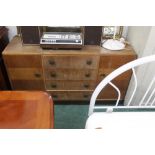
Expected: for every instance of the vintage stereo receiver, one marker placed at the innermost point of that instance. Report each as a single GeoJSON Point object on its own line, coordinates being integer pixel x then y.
{"type": "Point", "coordinates": [61, 40]}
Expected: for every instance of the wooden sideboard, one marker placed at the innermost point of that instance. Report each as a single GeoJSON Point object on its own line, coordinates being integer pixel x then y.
{"type": "Point", "coordinates": [65, 74]}
{"type": "Point", "coordinates": [4, 82]}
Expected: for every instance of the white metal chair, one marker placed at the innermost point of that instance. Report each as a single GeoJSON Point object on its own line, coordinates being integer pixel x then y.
{"type": "Point", "coordinates": [96, 119]}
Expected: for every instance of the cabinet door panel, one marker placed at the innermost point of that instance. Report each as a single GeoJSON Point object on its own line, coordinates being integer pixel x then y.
{"type": "Point", "coordinates": [115, 61]}
{"type": "Point", "coordinates": [22, 61]}
{"type": "Point", "coordinates": [124, 76]}
{"type": "Point", "coordinates": [25, 73]}
{"type": "Point", "coordinates": [27, 85]}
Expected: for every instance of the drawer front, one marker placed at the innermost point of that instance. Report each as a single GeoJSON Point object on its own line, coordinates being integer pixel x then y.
{"type": "Point", "coordinates": [64, 74]}
{"type": "Point", "coordinates": [54, 85]}
{"type": "Point", "coordinates": [82, 95]}
{"type": "Point", "coordinates": [103, 73]}
{"type": "Point", "coordinates": [25, 73]}
{"type": "Point", "coordinates": [58, 95]}
{"type": "Point", "coordinates": [70, 95]}
{"type": "Point", "coordinates": [88, 62]}
{"type": "Point", "coordinates": [115, 61]}
{"type": "Point", "coordinates": [27, 84]}
{"type": "Point", "coordinates": [23, 61]}
{"type": "Point", "coordinates": [70, 85]}
{"type": "Point", "coordinates": [110, 93]}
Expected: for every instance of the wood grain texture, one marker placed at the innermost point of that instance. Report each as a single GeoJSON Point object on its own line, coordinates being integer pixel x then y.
{"type": "Point", "coordinates": [76, 62]}
{"type": "Point", "coordinates": [106, 66]}
{"type": "Point", "coordinates": [26, 110]}
{"type": "Point", "coordinates": [22, 61]}
{"type": "Point", "coordinates": [16, 47]}
{"type": "Point", "coordinates": [70, 74]}
{"type": "Point", "coordinates": [70, 85]}
{"type": "Point", "coordinates": [27, 85]}
{"type": "Point", "coordinates": [70, 95]}
{"type": "Point", "coordinates": [25, 73]}
{"type": "Point", "coordinates": [65, 72]}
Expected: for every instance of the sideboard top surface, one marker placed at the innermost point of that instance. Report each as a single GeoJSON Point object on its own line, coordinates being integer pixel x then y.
{"type": "Point", "coordinates": [16, 47]}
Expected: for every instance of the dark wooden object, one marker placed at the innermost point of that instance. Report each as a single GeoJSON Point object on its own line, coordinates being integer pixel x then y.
{"type": "Point", "coordinates": [4, 82]}
{"type": "Point", "coordinates": [30, 34]}
{"type": "Point", "coordinates": [92, 35]}
{"type": "Point", "coordinates": [26, 110]}
{"type": "Point", "coordinates": [65, 74]}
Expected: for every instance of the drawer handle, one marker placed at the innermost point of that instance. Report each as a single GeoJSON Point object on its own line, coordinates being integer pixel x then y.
{"type": "Point", "coordinates": [51, 62]}
{"type": "Point", "coordinates": [53, 74]}
{"type": "Point", "coordinates": [85, 96]}
{"type": "Point", "coordinates": [89, 62]}
{"type": "Point", "coordinates": [53, 85]}
{"type": "Point", "coordinates": [102, 75]}
{"type": "Point", "coordinates": [86, 85]}
{"type": "Point", "coordinates": [37, 75]}
{"type": "Point", "coordinates": [55, 96]}
{"type": "Point", "coordinates": [87, 75]}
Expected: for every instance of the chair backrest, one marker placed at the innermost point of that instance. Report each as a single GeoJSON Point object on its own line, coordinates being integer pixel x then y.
{"type": "Point", "coordinates": [107, 80]}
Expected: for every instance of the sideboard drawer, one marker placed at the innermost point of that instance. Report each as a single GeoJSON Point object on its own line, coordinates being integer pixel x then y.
{"type": "Point", "coordinates": [72, 74]}
{"type": "Point", "coordinates": [70, 95]}
{"type": "Point", "coordinates": [70, 85]}
{"type": "Point", "coordinates": [27, 84]}
{"type": "Point", "coordinates": [25, 73]}
{"type": "Point", "coordinates": [104, 72]}
{"type": "Point", "coordinates": [23, 61]}
{"type": "Point", "coordinates": [90, 62]}
{"type": "Point", "coordinates": [58, 95]}
{"type": "Point", "coordinates": [54, 85]}
{"type": "Point", "coordinates": [82, 95]}
{"type": "Point", "coordinates": [115, 61]}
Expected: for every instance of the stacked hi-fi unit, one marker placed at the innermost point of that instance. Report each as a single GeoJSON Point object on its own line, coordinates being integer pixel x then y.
{"type": "Point", "coordinates": [91, 35]}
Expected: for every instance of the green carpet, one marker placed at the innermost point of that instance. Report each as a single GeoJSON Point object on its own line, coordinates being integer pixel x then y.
{"type": "Point", "coordinates": [73, 116]}
{"type": "Point", "coordinates": [70, 116]}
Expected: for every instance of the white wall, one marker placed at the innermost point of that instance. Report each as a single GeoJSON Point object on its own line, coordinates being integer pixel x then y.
{"type": "Point", "coordinates": [137, 36]}
{"type": "Point", "coordinates": [125, 31]}
{"type": "Point", "coordinates": [12, 31]}
{"type": "Point", "coordinates": [142, 40]}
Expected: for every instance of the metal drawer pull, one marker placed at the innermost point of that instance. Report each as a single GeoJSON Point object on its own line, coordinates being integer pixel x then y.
{"type": "Point", "coordinates": [85, 96]}
{"type": "Point", "coordinates": [102, 75]}
{"type": "Point", "coordinates": [53, 74]}
{"type": "Point", "coordinates": [89, 62]}
{"type": "Point", "coordinates": [53, 85]}
{"type": "Point", "coordinates": [55, 96]}
{"type": "Point", "coordinates": [87, 75]}
{"type": "Point", "coordinates": [86, 85]}
{"type": "Point", "coordinates": [51, 62]}
{"type": "Point", "coordinates": [37, 75]}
